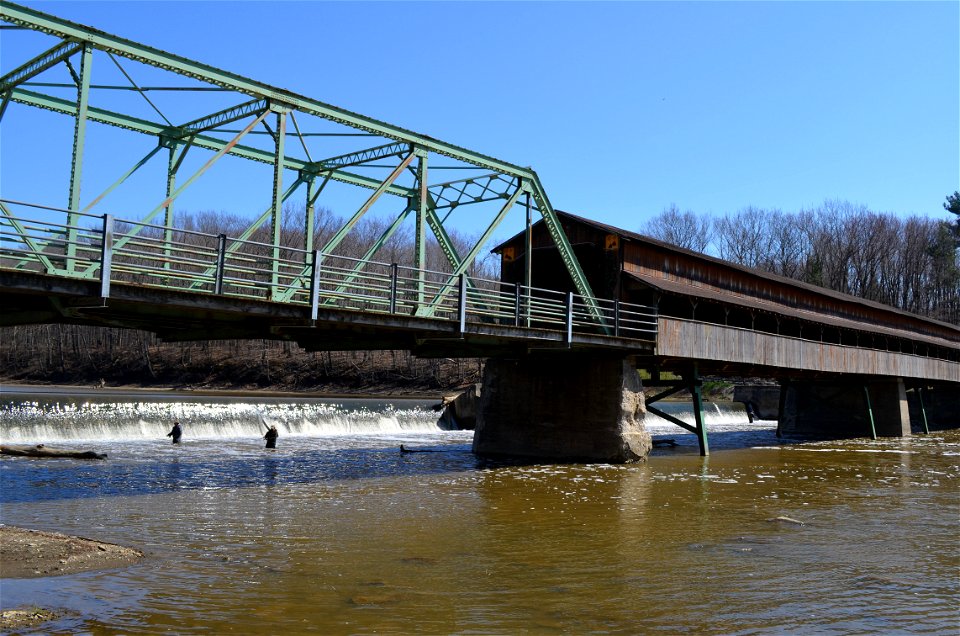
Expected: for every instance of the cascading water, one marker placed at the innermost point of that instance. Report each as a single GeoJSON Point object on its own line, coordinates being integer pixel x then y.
{"type": "Point", "coordinates": [29, 418]}
{"type": "Point", "coordinates": [719, 416]}
{"type": "Point", "coordinates": [73, 419]}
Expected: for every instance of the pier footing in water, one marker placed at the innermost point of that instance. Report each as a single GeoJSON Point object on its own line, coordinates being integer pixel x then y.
{"type": "Point", "coordinates": [566, 408]}
{"type": "Point", "coordinates": [866, 408]}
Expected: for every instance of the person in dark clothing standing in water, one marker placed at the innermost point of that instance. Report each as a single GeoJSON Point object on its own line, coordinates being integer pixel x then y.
{"type": "Point", "coordinates": [176, 433]}
{"type": "Point", "coordinates": [271, 437]}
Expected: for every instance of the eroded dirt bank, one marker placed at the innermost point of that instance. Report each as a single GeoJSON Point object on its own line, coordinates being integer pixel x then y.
{"type": "Point", "coordinates": [32, 553]}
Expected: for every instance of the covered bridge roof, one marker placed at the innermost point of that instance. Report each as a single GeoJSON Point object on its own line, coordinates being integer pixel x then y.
{"type": "Point", "coordinates": [713, 279]}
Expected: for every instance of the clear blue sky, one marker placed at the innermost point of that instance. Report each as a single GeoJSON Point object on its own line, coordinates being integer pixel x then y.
{"type": "Point", "coordinates": [622, 108]}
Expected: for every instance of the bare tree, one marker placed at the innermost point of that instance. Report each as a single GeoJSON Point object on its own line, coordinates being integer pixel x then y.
{"type": "Point", "coordinates": [683, 229]}
{"type": "Point", "coordinates": [745, 237]}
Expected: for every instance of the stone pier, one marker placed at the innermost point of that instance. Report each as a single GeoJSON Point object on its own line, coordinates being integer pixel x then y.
{"type": "Point", "coordinates": [562, 408]}
{"type": "Point", "coordinates": [841, 409]}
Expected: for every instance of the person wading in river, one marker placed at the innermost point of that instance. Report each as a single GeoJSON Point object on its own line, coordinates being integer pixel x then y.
{"type": "Point", "coordinates": [271, 437]}
{"type": "Point", "coordinates": [176, 433]}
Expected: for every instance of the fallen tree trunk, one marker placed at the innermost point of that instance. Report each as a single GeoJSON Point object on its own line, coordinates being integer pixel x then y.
{"type": "Point", "coordinates": [42, 451]}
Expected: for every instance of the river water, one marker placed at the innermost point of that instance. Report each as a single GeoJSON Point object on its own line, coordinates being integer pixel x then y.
{"type": "Point", "coordinates": [337, 532]}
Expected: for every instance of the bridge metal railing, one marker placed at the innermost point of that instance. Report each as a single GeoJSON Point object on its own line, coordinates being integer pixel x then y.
{"type": "Point", "coordinates": [109, 250]}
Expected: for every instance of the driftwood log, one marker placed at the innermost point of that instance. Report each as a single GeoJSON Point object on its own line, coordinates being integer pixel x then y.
{"type": "Point", "coordinates": [42, 451]}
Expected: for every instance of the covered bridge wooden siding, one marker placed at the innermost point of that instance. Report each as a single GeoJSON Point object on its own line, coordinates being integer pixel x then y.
{"type": "Point", "coordinates": [732, 318]}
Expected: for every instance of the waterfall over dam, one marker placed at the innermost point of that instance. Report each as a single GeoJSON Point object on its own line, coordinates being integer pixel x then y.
{"type": "Point", "coordinates": [32, 418]}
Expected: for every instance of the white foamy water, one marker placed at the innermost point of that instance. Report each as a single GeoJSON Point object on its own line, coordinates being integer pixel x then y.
{"type": "Point", "coordinates": [86, 420]}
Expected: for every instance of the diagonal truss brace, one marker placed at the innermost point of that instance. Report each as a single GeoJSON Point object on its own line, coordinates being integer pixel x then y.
{"type": "Point", "coordinates": [342, 232]}
{"type": "Point", "coordinates": [358, 158]}
{"type": "Point", "coordinates": [95, 39]}
{"type": "Point", "coordinates": [454, 193]}
{"type": "Point", "coordinates": [225, 116]}
{"type": "Point", "coordinates": [431, 308]}
{"type": "Point", "coordinates": [133, 232]}
{"type": "Point", "coordinates": [99, 115]}
{"type": "Point", "coordinates": [345, 229]}
{"type": "Point", "coordinates": [251, 228]}
{"type": "Point", "coordinates": [380, 242]}
{"type": "Point", "coordinates": [39, 64]}
{"type": "Point", "coordinates": [34, 247]}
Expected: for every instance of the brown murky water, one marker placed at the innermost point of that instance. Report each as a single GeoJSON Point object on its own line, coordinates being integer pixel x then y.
{"type": "Point", "coordinates": [344, 535]}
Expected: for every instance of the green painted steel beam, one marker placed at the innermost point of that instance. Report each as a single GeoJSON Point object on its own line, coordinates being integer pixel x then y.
{"type": "Point", "coordinates": [559, 237]}
{"type": "Point", "coordinates": [696, 394]}
{"type": "Point", "coordinates": [123, 178]}
{"type": "Point", "coordinates": [99, 115]}
{"type": "Point", "coordinates": [372, 251]}
{"type": "Point", "coordinates": [52, 25]}
{"type": "Point", "coordinates": [79, 141]}
{"type": "Point", "coordinates": [39, 64]}
{"type": "Point", "coordinates": [343, 231]}
{"type": "Point", "coordinates": [169, 199]}
{"type": "Point", "coordinates": [36, 248]}
{"type": "Point", "coordinates": [310, 210]}
{"type": "Point", "coordinates": [420, 229]}
{"type": "Point", "coordinates": [468, 260]}
{"type": "Point", "coordinates": [359, 157]}
{"type": "Point", "coordinates": [923, 410]}
{"type": "Point", "coordinates": [443, 239]}
{"type": "Point", "coordinates": [225, 116]}
{"type": "Point", "coordinates": [453, 194]}
{"type": "Point", "coordinates": [175, 158]}
{"type": "Point", "coordinates": [277, 207]}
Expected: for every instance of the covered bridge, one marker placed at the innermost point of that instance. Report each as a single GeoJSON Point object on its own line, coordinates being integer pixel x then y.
{"type": "Point", "coordinates": [689, 287]}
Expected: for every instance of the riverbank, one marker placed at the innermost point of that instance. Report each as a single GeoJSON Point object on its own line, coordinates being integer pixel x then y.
{"type": "Point", "coordinates": [129, 390]}
{"type": "Point", "coordinates": [28, 554]}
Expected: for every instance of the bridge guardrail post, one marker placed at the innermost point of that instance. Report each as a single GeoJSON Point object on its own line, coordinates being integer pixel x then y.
{"type": "Point", "coordinates": [516, 305]}
{"type": "Point", "coordinates": [462, 310]}
{"type": "Point", "coordinates": [221, 263]}
{"type": "Point", "coordinates": [317, 263]}
{"type": "Point", "coordinates": [569, 319]}
{"type": "Point", "coordinates": [393, 287]}
{"type": "Point", "coordinates": [106, 255]}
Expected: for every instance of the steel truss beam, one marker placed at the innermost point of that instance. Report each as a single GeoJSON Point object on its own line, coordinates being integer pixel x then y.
{"type": "Point", "coordinates": [454, 193]}
{"type": "Point", "coordinates": [431, 308]}
{"type": "Point", "coordinates": [36, 248]}
{"type": "Point", "coordinates": [445, 195]}
{"type": "Point", "coordinates": [39, 64]}
{"type": "Point", "coordinates": [225, 116]}
{"type": "Point", "coordinates": [99, 115]}
{"type": "Point", "coordinates": [64, 29]}
{"type": "Point", "coordinates": [172, 197]}
{"type": "Point", "coordinates": [359, 157]}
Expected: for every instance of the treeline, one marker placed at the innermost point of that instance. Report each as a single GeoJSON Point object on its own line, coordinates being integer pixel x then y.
{"type": "Point", "coordinates": [80, 355]}
{"type": "Point", "coordinates": [399, 248]}
{"type": "Point", "coordinates": [72, 354]}
{"type": "Point", "coordinates": [911, 263]}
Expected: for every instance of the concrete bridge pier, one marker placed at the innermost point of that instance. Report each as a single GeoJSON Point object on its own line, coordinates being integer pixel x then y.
{"type": "Point", "coordinates": [562, 408]}
{"type": "Point", "coordinates": [853, 408]}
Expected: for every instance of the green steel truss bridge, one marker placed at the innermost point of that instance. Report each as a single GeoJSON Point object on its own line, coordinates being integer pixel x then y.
{"type": "Point", "coordinates": [65, 256]}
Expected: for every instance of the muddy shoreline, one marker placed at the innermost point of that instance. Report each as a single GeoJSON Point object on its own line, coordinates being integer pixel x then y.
{"type": "Point", "coordinates": [28, 554]}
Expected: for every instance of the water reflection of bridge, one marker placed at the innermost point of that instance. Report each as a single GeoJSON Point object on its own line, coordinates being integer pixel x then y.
{"type": "Point", "coordinates": [575, 300]}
